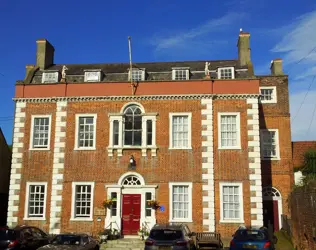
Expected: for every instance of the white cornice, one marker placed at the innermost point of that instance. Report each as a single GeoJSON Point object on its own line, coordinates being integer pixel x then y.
{"type": "Point", "coordinates": [135, 98]}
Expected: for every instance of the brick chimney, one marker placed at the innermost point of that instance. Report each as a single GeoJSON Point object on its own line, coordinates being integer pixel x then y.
{"type": "Point", "coordinates": [44, 54]}
{"type": "Point", "coordinates": [276, 67]}
{"type": "Point", "coordinates": [243, 45]}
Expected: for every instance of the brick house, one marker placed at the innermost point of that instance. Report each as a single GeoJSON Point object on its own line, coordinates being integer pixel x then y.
{"type": "Point", "coordinates": [209, 141]}
{"type": "Point", "coordinates": [5, 166]}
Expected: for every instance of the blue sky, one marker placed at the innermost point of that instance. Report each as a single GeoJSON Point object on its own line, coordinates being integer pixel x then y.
{"type": "Point", "coordinates": [164, 30]}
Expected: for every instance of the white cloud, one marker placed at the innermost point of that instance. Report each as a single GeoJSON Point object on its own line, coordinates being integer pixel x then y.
{"type": "Point", "coordinates": [301, 117]}
{"type": "Point", "coordinates": [299, 40]}
{"type": "Point", "coordinates": [199, 38]}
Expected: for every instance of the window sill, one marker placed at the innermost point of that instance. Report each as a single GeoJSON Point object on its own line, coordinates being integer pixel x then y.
{"type": "Point", "coordinates": [81, 219]}
{"type": "Point", "coordinates": [268, 102]}
{"type": "Point", "coordinates": [84, 149]}
{"type": "Point", "coordinates": [39, 149]}
{"type": "Point", "coordinates": [142, 148]}
{"type": "Point", "coordinates": [35, 218]}
{"type": "Point", "coordinates": [231, 221]}
{"type": "Point", "coordinates": [181, 220]}
{"type": "Point", "coordinates": [229, 148]}
{"type": "Point", "coordinates": [188, 148]}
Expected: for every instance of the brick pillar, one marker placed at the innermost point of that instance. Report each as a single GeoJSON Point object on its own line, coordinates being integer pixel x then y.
{"type": "Point", "coordinates": [16, 166]}
{"type": "Point", "coordinates": [255, 176]}
{"type": "Point", "coordinates": [208, 166]}
{"type": "Point", "coordinates": [58, 168]}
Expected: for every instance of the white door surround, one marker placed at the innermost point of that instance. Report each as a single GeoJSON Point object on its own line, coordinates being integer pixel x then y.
{"type": "Point", "coordinates": [270, 193]}
{"type": "Point", "coordinates": [130, 183]}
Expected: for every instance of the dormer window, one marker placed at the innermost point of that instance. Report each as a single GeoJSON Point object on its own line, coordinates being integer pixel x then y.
{"type": "Point", "coordinates": [50, 77]}
{"type": "Point", "coordinates": [226, 73]}
{"type": "Point", "coordinates": [137, 75]}
{"type": "Point", "coordinates": [92, 76]}
{"type": "Point", "coordinates": [180, 74]}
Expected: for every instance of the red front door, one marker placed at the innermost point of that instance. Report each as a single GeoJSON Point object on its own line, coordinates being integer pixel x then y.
{"type": "Point", "coordinates": [271, 214]}
{"type": "Point", "coordinates": [131, 214]}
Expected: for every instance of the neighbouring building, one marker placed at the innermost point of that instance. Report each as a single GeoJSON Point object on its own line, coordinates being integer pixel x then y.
{"type": "Point", "coordinates": [209, 141]}
{"type": "Point", "coordinates": [5, 166]}
{"type": "Point", "coordinates": [299, 149]}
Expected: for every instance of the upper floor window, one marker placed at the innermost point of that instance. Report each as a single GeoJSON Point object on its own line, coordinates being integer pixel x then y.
{"type": "Point", "coordinates": [269, 144]}
{"type": "Point", "coordinates": [35, 200]}
{"type": "Point", "coordinates": [85, 131]}
{"type": "Point", "coordinates": [180, 130]}
{"type": "Point", "coordinates": [50, 77]}
{"type": "Point", "coordinates": [40, 132]}
{"type": "Point", "coordinates": [92, 76]}
{"type": "Point", "coordinates": [268, 94]}
{"type": "Point", "coordinates": [180, 74]}
{"type": "Point", "coordinates": [137, 75]}
{"type": "Point", "coordinates": [132, 128]}
{"type": "Point", "coordinates": [226, 73]}
{"type": "Point", "coordinates": [229, 130]}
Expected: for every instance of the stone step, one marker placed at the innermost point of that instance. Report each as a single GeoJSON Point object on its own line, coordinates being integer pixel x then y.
{"type": "Point", "coordinates": [125, 245]}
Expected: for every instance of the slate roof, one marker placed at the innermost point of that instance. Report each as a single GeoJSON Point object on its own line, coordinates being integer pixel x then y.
{"type": "Point", "coordinates": [155, 71]}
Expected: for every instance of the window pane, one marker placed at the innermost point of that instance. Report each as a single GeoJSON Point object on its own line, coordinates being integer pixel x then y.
{"type": "Point", "coordinates": [231, 202]}
{"type": "Point", "coordinates": [40, 132]}
{"type": "Point", "coordinates": [228, 130]}
{"type": "Point", "coordinates": [115, 133]}
{"type": "Point", "coordinates": [36, 201]}
{"type": "Point", "coordinates": [180, 202]}
{"type": "Point", "coordinates": [133, 126]}
{"type": "Point", "coordinates": [86, 132]}
{"type": "Point", "coordinates": [180, 132]}
{"type": "Point", "coordinates": [83, 200]}
{"type": "Point", "coordinates": [114, 205]}
{"type": "Point", "coordinates": [149, 132]}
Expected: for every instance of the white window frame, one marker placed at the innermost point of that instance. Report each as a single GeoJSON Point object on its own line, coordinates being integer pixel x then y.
{"type": "Point", "coordinates": [277, 157]}
{"type": "Point", "coordinates": [219, 115]}
{"type": "Point", "coordinates": [119, 117]}
{"type": "Point", "coordinates": [33, 117]}
{"type": "Point", "coordinates": [73, 197]}
{"type": "Point", "coordinates": [219, 72]}
{"type": "Point", "coordinates": [86, 79]}
{"type": "Point", "coordinates": [184, 69]}
{"type": "Point", "coordinates": [77, 132]}
{"type": "Point", "coordinates": [189, 115]}
{"type": "Point", "coordinates": [136, 69]}
{"type": "Point", "coordinates": [171, 184]}
{"type": "Point", "coordinates": [241, 219]}
{"type": "Point", "coordinates": [46, 73]}
{"type": "Point", "coordinates": [274, 94]}
{"type": "Point", "coordinates": [26, 205]}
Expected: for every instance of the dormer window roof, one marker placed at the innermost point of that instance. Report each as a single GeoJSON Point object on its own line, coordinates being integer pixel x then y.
{"type": "Point", "coordinates": [180, 73]}
{"type": "Point", "coordinates": [137, 75]}
{"type": "Point", "coordinates": [50, 77]}
{"type": "Point", "coordinates": [92, 75]}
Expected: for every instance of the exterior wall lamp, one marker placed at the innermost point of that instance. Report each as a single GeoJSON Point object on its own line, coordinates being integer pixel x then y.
{"type": "Point", "coordinates": [132, 163]}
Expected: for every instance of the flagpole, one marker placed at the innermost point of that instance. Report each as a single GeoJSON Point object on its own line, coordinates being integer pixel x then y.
{"type": "Point", "coordinates": [130, 64]}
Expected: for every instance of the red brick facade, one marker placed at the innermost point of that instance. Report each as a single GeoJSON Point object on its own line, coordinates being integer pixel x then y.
{"type": "Point", "coordinates": [204, 165]}
{"type": "Point", "coordinates": [299, 149]}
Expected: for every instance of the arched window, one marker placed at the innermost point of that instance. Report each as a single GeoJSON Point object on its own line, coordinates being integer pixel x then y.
{"type": "Point", "coordinates": [133, 126]}
{"type": "Point", "coordinates": [131, 180]}
{"type": "Point", "coordinates": [270, 192]}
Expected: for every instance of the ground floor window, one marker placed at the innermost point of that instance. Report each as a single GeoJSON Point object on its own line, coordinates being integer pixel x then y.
{"type": "Point", "coordinates": [36, 200]}
{"type": "Point", "coordinates": [147, 206]}
{"type": "Point", "coordinates": [82, 200]}
{"type": "Point", "coordinates": [180, 201]}
{"type": "Point", "coordinates": [231, 202]}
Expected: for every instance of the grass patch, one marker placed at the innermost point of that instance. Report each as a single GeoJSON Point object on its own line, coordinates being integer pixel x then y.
{"type": "Point", "coordinates": [284, 242]}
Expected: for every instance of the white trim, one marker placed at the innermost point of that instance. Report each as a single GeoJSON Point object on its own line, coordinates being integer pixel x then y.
{"type": "Point", "coordinates": [219, 74]}
{"type": "Point", "coordinates": [56, 73]}
{"type": "Point", "coordinates": [76, 147]}
{"type": "Point", "coordinates": [221, 185]}
{"type": "Point", "coordinates": [143, 70]}
{"type": "Point", "coordinates": [219, 115]}
{"type": "Point", "coordinates": [277, 157]}
{"type": "Point", "coordinates": [132, 103]}
{"type": "Point", "coordinates": [274, 94]}
{"type": "Point", "coordinates": [33, 117]}
{"type": "Point", "coordinates": [92, 71]}
{"type": "Point", "coordinates": [180, 69]}
{"type": "Point", "coordinates": [26, 202]}
{"type": "Point", "coordinates": [189, 115]}
{"type": "Point", "coordinates": [189, 184]}
{"type": "Point", "coordinates": [123, 176]}
{"type": "Point", "coordinates": [73, 194]}
{"type": "Point", "coordinates": [275, 198]}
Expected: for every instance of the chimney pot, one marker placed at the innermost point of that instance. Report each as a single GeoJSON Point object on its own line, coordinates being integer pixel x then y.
{"type": "Point", "coordinates": [44, 54]}
{"type": "Point", "coordinates": [276, 67]}
{"type": "Point", "coordinates": [243, 45]}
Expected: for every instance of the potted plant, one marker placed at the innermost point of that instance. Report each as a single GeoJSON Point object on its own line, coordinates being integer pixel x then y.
{"type": "Point", "coordinates": [104, 235]}
{"type": "Point", "coordinates": [154, 204]}
{"type": "Point", "coordinates": [107, 203]}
